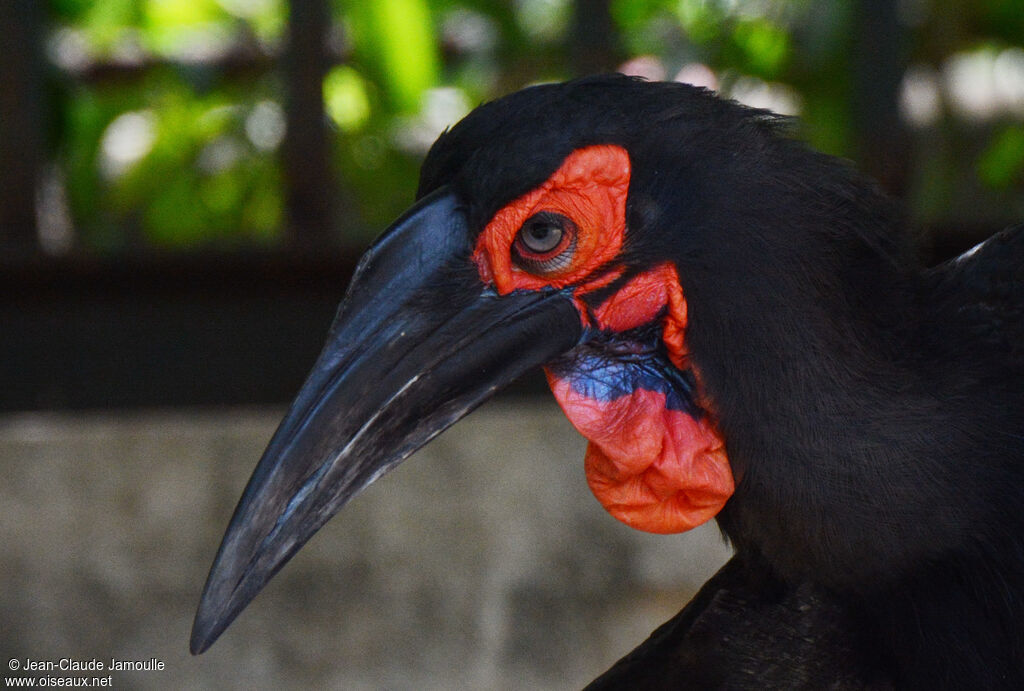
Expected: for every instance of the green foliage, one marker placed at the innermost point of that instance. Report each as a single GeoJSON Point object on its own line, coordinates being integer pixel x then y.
{"type": "Point", "coordinates": [1002, 162]}
{"type": "Point", "coordinates": [395, 39]}
{"type": "Point", "coordinates": [184, 156]}
{"type": "Point", "coordinates": [346, 98]}
{"type": "Point", "coordinates": [173, 167]}
{"type": "Point", "coordinates": [166, 27]}
{"type": "Point", "coordinates": [701, 20]}
{"type": "Point", "coordinates": [764, 47]}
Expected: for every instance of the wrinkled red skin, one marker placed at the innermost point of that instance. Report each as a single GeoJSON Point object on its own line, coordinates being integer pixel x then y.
{"type": "Point", "coordinates": [654, 468]}
{"type": "Point", "coordinates": [590, 188]}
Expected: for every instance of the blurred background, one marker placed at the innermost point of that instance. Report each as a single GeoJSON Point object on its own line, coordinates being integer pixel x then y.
{"type": "Point", "coordinates": [185, 187]}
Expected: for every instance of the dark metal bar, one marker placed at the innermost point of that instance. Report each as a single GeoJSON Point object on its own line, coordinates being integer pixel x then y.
{"type": "Point", "coordinates": [880, 49]}
{"type": "Point", "coordinates": [594, 40]}
{"type": "Point", "coordinates": [240, 62]}
{"type": "Point", "coordinates": [308, 179]}
{"type": "Point", "coordinates": [170, 330]}
{"type": "Point", "coordinates": [21, 122]}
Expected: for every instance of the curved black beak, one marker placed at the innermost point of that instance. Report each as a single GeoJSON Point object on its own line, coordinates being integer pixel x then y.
{"type": "Point", "coordinates": [419, 341]}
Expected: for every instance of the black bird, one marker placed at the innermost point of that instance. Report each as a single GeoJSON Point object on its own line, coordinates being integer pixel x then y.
{"type": "Point", "coordinates": [740, 328]}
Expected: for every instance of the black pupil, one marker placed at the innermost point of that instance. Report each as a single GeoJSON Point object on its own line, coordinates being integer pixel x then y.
{"type": "Point", "coordinates": [542, 235]}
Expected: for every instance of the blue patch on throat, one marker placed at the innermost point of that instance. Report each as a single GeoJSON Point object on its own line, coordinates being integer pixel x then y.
{"type": "Point", "coordinates": [609, 366]}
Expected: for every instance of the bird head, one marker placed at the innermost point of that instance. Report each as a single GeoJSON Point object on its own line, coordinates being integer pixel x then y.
{"type": "Point", "coordinates": [608, 229]}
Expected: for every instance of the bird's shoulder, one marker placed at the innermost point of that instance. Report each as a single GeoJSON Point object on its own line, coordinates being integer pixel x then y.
{"type": "Point", "coordinates": [747, 630]}
{"type": "Point", "coordinates": [983, 291]}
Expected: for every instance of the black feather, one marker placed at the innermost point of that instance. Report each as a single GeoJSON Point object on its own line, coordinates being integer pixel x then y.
{"type": "Point", "coordinates": [873, 411]}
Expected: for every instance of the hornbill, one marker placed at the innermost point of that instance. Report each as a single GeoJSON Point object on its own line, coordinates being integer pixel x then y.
{"type": "Point", "coordinates": [740, 328]}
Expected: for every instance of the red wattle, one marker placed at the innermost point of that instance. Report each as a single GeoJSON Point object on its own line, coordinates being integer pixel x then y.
{"type": "Point", "coordinates": [653, 468]}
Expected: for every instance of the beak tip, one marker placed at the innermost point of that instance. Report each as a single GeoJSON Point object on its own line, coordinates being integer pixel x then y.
{"type": "Point", "coordinates": [201, 639]}
{"type": "Point", "coordinates": [217, 609]}
{"type": "Point", "coordinates": [228, 591]}
{"type": "Point", "coordinates": [210, 623]}
{"type": "Point", "coordinates": [206, 629]}
{"type": "Point", "coordinates": [198, 646]}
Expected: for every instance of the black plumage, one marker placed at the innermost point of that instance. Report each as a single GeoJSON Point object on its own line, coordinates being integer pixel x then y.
{"type": "Point", "coordinates": [872, 409]}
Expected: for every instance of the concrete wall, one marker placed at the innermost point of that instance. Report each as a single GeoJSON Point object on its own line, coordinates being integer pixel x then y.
{"type": "Point", "coordinates": [483, 562]}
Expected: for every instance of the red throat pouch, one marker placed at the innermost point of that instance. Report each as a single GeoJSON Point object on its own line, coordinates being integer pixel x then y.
{"type": "Point", "coordinates": [653, 468]}
{"type": "Point", "coordinates": [654, 463]}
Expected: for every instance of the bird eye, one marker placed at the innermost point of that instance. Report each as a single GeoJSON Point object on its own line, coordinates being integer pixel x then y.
{"type": "Point", "coordinates": [541, 235]}
{"type": "Point", "coordinates": [545, 243]}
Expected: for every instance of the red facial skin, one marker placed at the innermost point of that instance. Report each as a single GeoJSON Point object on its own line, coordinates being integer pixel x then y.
{"type": "Point", "coordinates": [654, 468]}
{"type": "Point", "coordinates": [590, 188]}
